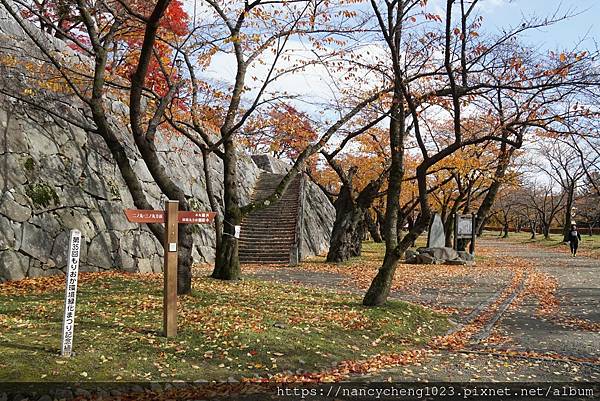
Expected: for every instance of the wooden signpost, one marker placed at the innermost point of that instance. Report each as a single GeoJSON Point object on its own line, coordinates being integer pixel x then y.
{"type": "Point", "coordinates": [171, 217]}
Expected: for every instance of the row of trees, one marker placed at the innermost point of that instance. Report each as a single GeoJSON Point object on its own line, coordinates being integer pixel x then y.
{"type": "Point", "coordinates": [558, 189]}
{"type": "Point", "coordinates": [425, 111]}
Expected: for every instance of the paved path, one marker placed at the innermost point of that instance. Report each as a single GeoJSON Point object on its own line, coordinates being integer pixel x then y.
{"type": "Point", "coordinates": [560, 346]}
{"type": "Point", "coordinates": [575, 329]}
{"type": "Point", "coordinates": [519, 341]}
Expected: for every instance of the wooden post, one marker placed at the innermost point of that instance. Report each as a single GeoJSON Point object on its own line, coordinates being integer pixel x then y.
{"type": "Point", "coordinates": [455, 242]}
{"type": "Point", "coordinates": [473, 235]}
{"type": "Point", "coordinates": [170, 269]}
{"type": "Point", "coordinates": [172, 218]}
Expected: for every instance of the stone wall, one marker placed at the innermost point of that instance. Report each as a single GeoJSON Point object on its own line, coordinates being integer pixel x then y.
{"type": "Point", "coordinates": [55, 176]}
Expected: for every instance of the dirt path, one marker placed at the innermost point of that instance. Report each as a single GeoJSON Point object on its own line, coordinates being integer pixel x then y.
{"type": "Point", "coordinates": [538, 323]}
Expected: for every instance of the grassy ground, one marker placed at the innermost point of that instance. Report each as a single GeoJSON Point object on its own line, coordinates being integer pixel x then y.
{"type": "Point", "coordinates": [225, 329]}
{"type": "Point", "coordinates": [589, 245]}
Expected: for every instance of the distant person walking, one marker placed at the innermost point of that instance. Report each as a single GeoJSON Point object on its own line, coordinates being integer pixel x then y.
{"type": "Point", "coordinates": [574, 238]}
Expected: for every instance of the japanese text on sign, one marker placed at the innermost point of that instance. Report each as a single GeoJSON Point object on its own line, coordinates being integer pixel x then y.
{"type": "Point", "coordinates": [71, 293]}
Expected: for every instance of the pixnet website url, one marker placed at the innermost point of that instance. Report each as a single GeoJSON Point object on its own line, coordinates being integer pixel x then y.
{"type": "Point", "coordinates": [399, 392]}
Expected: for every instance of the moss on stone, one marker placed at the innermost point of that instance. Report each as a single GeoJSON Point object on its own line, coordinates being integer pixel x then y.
{"type": "Point", "coordinates": [42, 194]}
{"type": "Point", "coordinates": [113, 188]}
{"type": "Point", "coordinates": [195, 204]}
{"type": "Point", "coordinates": [29, 164]}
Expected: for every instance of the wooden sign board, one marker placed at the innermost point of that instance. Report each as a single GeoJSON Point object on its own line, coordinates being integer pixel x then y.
{"type": "Point", "coordinates": [145, 216]}
{"type": "Point", "coordinates": [158, 216]}
{"type": "Point", "coordinates": [171, 217]}
{"type": "Point", "coordinates": [196, 217]}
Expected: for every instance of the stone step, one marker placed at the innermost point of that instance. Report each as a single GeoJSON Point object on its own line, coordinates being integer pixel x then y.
{"type": "Point", "coordinates": [261, 195]}
{"type": "Point", "coordinates": [265, 255]}
{"type": "Point", "coordinates": [274, 221]}
{"type": "Point", "coordinates": [271, 215]}
{"type": "Point", "coordinates": [284, 200]}
{"type": "Point", "coordinates": [261, 231]}
{"type": "Point", "coordinates": [273, 187]}
{"type": "Point", "coordinates": [271, 239]}
{"type": "Point", "coordinates": [266, 247]}
{"type": "Point", "coordinates": [269, 223]}
{"type": "Point", "coordinates": [270, 262]}
{"type": "Point", "coordinates": [282, 204]}
{"type": "Point", "coordinates": [275, 224]}
{"type": "Point", "coordinates": [268, 237]}
{"type": "Point", "coordinates": [276, 211]}
{"type": "Point", "coordinates": [265, 258]}
{"type": "Point", "coordinates": [265, 251]}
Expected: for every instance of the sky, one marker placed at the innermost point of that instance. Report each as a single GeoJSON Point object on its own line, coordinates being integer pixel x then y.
{"type": "Point", "coordinates": [502, 13]}
{"type": "Point", "coordinates": [497, 14]}
{"type": "Point", "coordinates": [584, 25]}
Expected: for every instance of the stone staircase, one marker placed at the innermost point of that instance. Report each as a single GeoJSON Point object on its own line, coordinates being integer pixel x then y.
{"type": "Point", "coordinates": [270, 235]}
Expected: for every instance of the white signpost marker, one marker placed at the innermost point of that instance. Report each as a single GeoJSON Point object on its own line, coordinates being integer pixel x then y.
{"type": "Point", "coordinates": [71, 293]}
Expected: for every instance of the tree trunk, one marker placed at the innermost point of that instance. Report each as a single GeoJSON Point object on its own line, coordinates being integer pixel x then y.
{"type": "Point", "coordinates": [533, 227]}
{"type": "Point", "coordinates": [506, 153]}
{"type": "Point", "coordinates": [227, 263]}
{"type": "Point", "coordinates": [449, 230]}
{"type": "Point", "coordinates": [373, 228]}
{"type": "Point", "coordinates": [481, 227]}
{"type": "Point", "coordinates": [185, 260]}
{"type": "Point", "coordinates": [381, 223]}
{"type": "Point", "coordinates": [505, 230]}
{"type": "Point", "coordinates": [379, 291]}
{"type": "Point", "coordinates": [346, 237]}
{"type": "Point", "coordinates": [349, 226]}
{"type": "Point", "coordinates": [402, 216]}
{"type": "Point", "coordinates": [381, 285]}
{"type": "Point", "coordinates": [214, 205]}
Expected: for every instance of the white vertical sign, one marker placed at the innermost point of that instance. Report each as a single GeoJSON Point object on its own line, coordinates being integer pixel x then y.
{"type": "Point", "coordinates": [71, 292]}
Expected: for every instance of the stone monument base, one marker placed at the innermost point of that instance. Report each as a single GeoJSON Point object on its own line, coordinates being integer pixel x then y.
{"type": "Point", "coordinates": [438, 255]}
